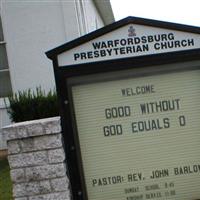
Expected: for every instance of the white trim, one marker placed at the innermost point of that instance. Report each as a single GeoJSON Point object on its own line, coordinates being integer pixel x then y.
{"type": "Point", "coordinates": [2, 42]}
{"type": "Point", "coordinates": [80, 17]}
{"type": "Point", "coordinates": [2, 103]}
{"type": "Point", "coordinates": [105, 10]}
{"type": "Point", "coordinates": [76, 12]}
{"type": "Point", "coordinates": [82, 3]}
{"type": "Point", "coordinates": [63, 18]}
{"type": "Point", "coordinates": [4, 70]}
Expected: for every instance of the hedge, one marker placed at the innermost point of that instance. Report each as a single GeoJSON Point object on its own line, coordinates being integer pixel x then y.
{"type": "Point", "coordinates": [30, 105]}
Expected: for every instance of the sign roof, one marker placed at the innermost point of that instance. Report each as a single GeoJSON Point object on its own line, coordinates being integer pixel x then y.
{"type": "Point", "coordinates": [129, 37]}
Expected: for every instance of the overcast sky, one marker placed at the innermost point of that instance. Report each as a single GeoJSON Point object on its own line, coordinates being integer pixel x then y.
{"type": "Point", "coordinates": [179, 11]}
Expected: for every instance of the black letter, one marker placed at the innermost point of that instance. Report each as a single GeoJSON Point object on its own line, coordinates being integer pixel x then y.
{"type": "Point", "coordinates": [182, 120]}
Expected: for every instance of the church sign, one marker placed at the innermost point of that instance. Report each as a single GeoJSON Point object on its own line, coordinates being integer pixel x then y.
{"type": "Point", "coordinates": [130, 41]}
{"type": "Point", "coordinates": [129, 102]}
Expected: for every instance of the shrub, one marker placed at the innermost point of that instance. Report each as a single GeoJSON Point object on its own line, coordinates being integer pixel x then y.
{"type": "Point", "coordinates": [5, 180]}
{"type": "Point", "coordinates": [29, 105]}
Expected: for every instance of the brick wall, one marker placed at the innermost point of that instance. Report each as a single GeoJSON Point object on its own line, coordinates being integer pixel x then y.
{"type": "Point", "coordinates": [37, 160]}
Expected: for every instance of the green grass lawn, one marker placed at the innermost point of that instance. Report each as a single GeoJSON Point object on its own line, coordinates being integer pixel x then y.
{"type": "Point", "coordinates": [5, 181]}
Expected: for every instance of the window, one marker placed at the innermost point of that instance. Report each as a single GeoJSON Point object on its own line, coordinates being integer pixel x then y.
{"type": "Point", "coordinates": [5, 83]}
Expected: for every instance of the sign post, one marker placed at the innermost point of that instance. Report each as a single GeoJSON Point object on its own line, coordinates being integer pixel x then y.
{"type": "Point", "coordinates": [129, 102]}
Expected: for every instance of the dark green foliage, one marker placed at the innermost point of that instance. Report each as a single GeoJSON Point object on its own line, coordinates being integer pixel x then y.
{"type": "Point", "coordinates": [29, 105]}
{"type": "Point", "coordinates": [5, 181]}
